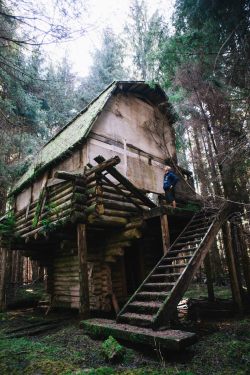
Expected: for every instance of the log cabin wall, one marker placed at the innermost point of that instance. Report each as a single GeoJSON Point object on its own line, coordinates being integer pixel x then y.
{"type": "Point", "coordinates": [64, 274]}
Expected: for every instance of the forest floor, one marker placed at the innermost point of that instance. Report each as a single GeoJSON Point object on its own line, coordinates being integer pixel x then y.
{"type": "Point", "coordinates": [223, 348]}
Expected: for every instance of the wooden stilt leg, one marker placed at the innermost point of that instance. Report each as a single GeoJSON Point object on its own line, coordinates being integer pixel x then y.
{"type": "Point", "coordinates": [245, 257]}
{"type": "Point", "coordinates": [3, 254]}
{"type": "Point", "coordinates": [165, 233]}
{"type": "Point", "coordinates": [83, 271]}
{"type": "Point", "coordinates": [208, 271]}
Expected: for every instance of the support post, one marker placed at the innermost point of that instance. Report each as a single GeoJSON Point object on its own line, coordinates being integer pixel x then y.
{"type": "Point", "coordinates": [208, 271]}
{"type": "Point", "coordinates": [235, 285]}
{"type": "Point", "coordinates": [3, 276]}
{"type": "Point", "coordinates": [245, 257]}
{"type": "Point", "coordinates": [83, 271]}
{"type": "Point", "coordinates": [165, 234]}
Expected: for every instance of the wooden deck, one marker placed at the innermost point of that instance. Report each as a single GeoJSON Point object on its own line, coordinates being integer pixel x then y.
{"type": "Point", "coordinates": [169, 339]}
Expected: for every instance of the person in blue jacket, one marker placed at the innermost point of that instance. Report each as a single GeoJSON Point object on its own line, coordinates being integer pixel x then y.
{"type": "Point", "coordinates": [169, 182]}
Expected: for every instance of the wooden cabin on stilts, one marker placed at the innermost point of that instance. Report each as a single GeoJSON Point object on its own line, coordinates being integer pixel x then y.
{"type": "Point", "coordinates": [91, 210]}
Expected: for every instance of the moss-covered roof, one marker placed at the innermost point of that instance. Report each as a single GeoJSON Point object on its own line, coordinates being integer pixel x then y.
{"type": "Point", "coordinates": [73, 133]}
{"type": "Point", "coordinates": [79, 127]}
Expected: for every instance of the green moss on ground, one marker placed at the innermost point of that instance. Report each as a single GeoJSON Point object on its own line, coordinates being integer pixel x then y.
{"type": "Point", "coordinates": [112, 350]}
{"type": "Point", "coordinates": [69, 352]}
{"type": "Point", "coordinates": [200, 291]}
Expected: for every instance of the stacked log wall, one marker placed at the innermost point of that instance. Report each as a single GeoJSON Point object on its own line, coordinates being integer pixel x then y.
{"type": "Point", "coordinates": [61, 203]}
{"type": "Point", "coordinates": [65, 276]}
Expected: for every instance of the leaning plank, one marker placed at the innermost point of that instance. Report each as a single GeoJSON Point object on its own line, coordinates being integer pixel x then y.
{"type": "Point", "coordinates": [169, 339]}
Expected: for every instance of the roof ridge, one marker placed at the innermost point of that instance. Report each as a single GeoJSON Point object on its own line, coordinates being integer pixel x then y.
{"type": "Point", "coordinates": [79, 114]}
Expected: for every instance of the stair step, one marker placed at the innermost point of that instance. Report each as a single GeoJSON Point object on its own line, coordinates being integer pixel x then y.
{"type": "Point", "coordinates": [194, 231]}
{"type": "Point", "coordinates": [203, 219]}
{"type": "Point", "coordinates": [173, 265]}
{"type": "Point", "coordinates": [156, 286]}
{"type": "Point", "coordinates": [151, 296]}
{"type": "Point", "coordinates": [182, 251]}
{"type": "Point", "coordinates": [150, 307]}
{"type": "Point", "coordinates": [173, 274]}
{"type": "Point", "coordinates": [178, 258]}
{"type": "Point", "coordinates": [201, 225]}
{"type": "Point", "coordinates": [142, 320]}
{"type": "Point", "coordinates": [185, 238]}
{"type": "Point", "coordinates": [186, 243]}
{"type": "Point", "coordinates": [161, 276]}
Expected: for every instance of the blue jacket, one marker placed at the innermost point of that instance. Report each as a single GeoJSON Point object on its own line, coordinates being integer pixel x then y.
{"type": "Point", "coordinates": [170, 179]}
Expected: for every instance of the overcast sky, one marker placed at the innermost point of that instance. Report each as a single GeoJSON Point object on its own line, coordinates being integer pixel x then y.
{"type": "Point", "coordinates": [101, 14]}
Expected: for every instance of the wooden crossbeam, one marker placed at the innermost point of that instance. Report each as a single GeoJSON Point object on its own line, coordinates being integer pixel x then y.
{"type": "Point", "coordinates": [71, 176]}
{"type": "Point", "coordinates": [126, 183]}
{"type": "Point", "coordinates": [118, 189]}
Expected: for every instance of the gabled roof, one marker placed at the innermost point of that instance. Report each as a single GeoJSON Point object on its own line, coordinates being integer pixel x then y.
{"type": "Point", "coordinates": [79, 127]}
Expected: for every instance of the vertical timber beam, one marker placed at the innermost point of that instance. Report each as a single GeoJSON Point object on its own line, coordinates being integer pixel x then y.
{"type": "Point", "coordinates": [208, 271]}
{"type": "Point", "coordinates": [235, 285]}
{"type": "Point", "coordinates": [3, 277]}
{"type": "Point", "coordinates": [245, 256]}
{"type": "Point", "coordinates": [165, 234]}
{"type": "Point", "coordinates": [83, 271]}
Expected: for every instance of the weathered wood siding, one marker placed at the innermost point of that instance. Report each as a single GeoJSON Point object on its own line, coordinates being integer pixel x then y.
{"type": "Point", "coordinates": [122, 130]}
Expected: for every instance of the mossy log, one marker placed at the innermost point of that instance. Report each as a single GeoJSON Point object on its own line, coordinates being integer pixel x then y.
{"type": "Point", "coordinates": [61, 193]}
{"type": "Point", "coordinates": [68, 176]}
{"type": "Point", "coordinates": [128, 234]}
{"type": "Point", "coordinates": [107, 220]}
{"type": "Point", "coordinates": [119, 197]}
{"type": "Point", "coordinates": [30, 233]}
{"type": "Point", "coordinates": [56, 189]}
{"type": "Point", "coordinates": [136, 224]}
{"type": "Point", "coordinates": [50, 217]}
{"type": "Point", "coordinates": [97, 208]}
{"type": "Point", "coordinates": [95, 190]}
{"type": "Point", "coordinates": [118, 213]}
{"type": "Point", "coordinates": [120, 206]}
{"type": "Point", "coordinates": [111, 244]}
{"type": "Point", "coordinates": [56, 202]}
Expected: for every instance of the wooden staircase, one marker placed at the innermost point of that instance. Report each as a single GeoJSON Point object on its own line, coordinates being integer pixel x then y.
{"type": "Point", "coordinates": [154, 302]}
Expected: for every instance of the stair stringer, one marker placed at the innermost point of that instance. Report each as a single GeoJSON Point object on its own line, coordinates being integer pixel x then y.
{"type": "Point", "coordinates": [168, 307]}
{"type": "Point", "coordinates": [122, 311]}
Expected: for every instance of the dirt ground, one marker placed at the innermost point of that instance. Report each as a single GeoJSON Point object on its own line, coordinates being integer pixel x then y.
{"type": "Point", "coordinates": [31, 343]}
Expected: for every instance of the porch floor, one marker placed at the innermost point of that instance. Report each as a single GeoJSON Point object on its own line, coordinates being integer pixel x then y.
{"type": "Point", "coordinates": [168, 338]}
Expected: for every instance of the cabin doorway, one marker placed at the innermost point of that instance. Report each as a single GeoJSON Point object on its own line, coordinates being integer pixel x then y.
{"type": "Point", "coordinates": [142, 256]}
{"type": "Point", "coordinates": [133, 267]}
